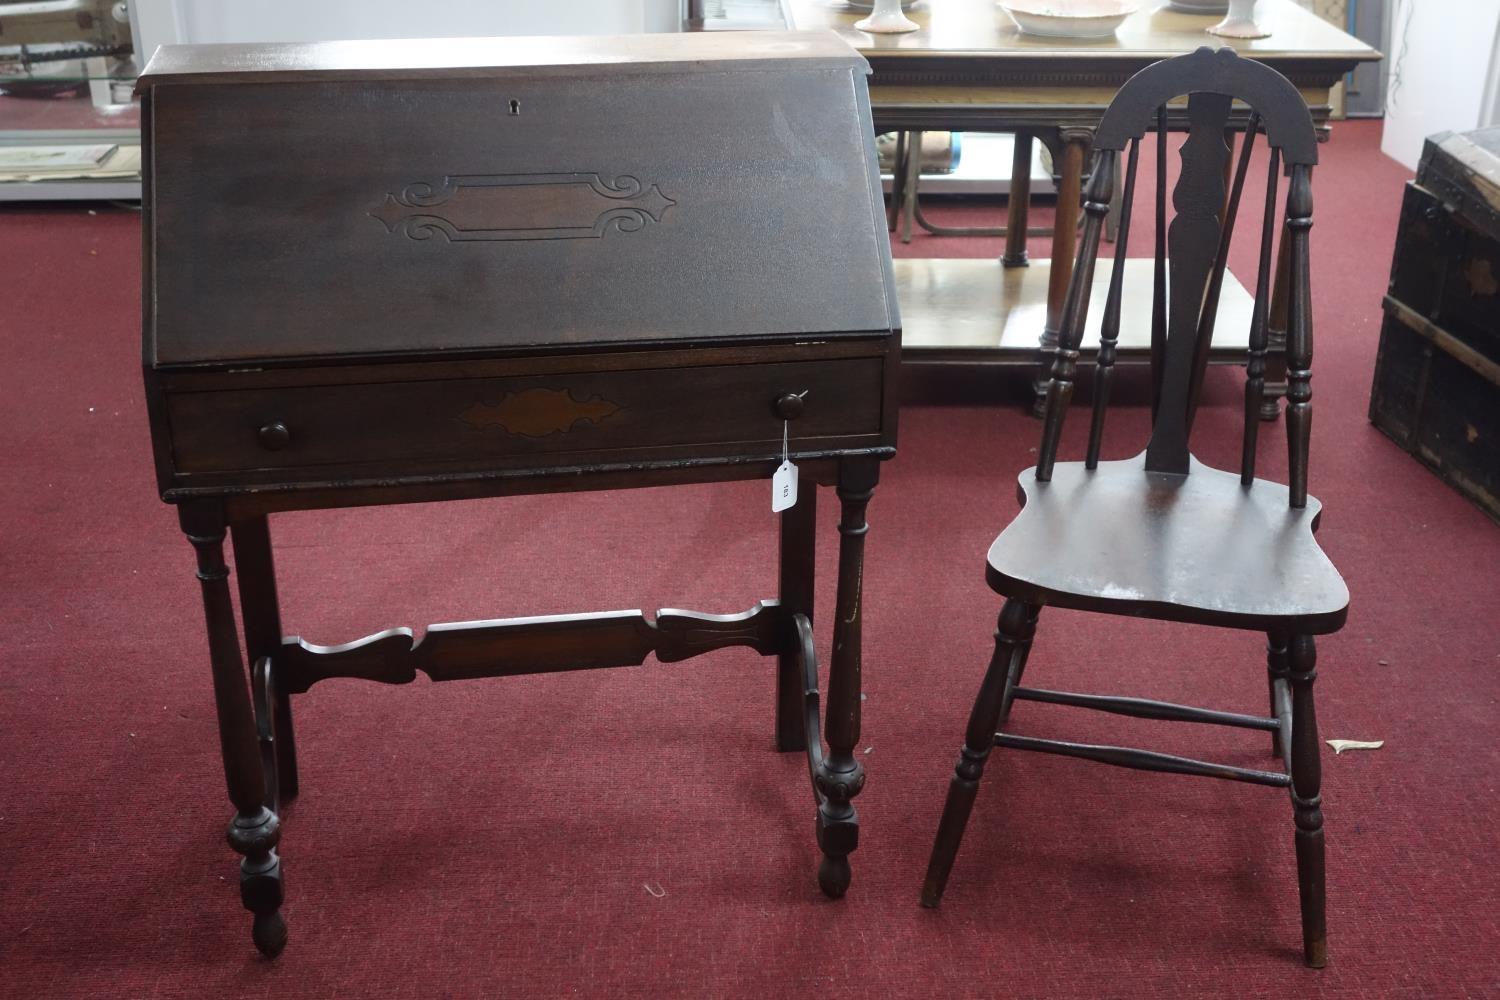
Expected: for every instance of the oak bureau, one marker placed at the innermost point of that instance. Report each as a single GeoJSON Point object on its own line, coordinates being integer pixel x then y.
{"type": "Point", "coordinates": [389, 272]}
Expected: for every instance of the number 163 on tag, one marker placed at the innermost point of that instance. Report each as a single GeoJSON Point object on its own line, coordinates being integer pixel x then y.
{"type": "Point", "coordinates": [784, 487]}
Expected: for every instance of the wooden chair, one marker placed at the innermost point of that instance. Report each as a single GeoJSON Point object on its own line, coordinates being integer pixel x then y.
{"type": "Point", "coordinates": [1162, 535]}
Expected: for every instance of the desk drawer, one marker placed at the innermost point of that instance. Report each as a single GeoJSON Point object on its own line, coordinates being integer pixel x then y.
{"type": "Point", "coordinates": [518, 420]}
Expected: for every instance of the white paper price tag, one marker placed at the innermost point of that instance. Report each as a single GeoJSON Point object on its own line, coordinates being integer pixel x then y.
{"type": "Point", "coordinates": [784, 487]}
{"type": "Point", "coordinates": [784, 480]}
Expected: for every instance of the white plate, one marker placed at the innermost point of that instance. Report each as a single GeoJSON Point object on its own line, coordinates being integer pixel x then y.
{"type": "Point", "coordinates": [1064, 19]}
{"type": "Point", "coordinates": [1199, 6]}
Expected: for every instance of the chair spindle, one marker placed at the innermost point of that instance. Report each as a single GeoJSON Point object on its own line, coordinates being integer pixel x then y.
{"type": "Point", "coordinates": [1299, 334]}
{"type": "Point", "coordinates": [1255, 370]}
{"type": "Point", "coordinates": [1075, 308]}
{"type": "Point", "coordinates": [1204, 343]}
{"type": "Point", "coordinates": [1159, 292]}
{"type": "Point", "coordinates": [1109, 331]}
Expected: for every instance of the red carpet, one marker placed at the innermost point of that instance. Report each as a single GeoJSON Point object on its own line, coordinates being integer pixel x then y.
{"type": "Point", "coordinates": [629, 832]}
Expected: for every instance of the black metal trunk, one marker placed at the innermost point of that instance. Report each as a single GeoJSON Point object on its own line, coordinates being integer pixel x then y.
{"type": "Point", "coordinates": [1437, 375]}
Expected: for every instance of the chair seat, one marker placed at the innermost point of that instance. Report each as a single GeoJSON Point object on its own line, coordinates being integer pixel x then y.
{"type": "Point", "coordinates": [1197, 548]}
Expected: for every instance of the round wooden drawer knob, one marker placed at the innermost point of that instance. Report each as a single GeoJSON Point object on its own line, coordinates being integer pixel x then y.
{"type": "Point", "coordinates": [274, 436]}
{"type": "Point", "coordinates": [789, 405]}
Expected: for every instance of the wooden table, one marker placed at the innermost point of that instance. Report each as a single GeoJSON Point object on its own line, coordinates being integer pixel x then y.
{"type": "Point", "coordinates": [381, 274]}
{"type": "Point", "coordinates": [970, 68]}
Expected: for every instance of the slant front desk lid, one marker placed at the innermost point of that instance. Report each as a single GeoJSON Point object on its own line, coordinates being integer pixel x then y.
{"type": "Point", "coordinates": [369, 198]}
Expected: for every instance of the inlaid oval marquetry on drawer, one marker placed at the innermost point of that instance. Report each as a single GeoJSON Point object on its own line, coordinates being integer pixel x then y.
{"type": "Point", "coordinates": [484, 419]}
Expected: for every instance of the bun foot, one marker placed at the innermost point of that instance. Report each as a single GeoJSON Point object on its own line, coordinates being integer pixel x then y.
{"type": "Point", "coordinates": [834, 875]}
{"type": "Point", "coordinates": [269, 934]}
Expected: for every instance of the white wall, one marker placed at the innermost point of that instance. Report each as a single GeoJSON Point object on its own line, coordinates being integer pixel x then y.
{"type": "Point", "coordinates": [164, 21]}
{"type": "Point", "coordinates": [1441, 56]}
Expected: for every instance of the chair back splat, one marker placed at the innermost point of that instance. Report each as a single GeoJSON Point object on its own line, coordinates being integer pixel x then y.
{"type": "Point", "coordinates": [1192, 253]}
{"type": "Point", "coordinates": [1159, 292]}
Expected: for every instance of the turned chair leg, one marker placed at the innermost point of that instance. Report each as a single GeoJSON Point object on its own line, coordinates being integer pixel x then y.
{"type": "Point", "coordinates": [1276, 669]}
{"type": "Point", "coordinates": [255, 830]}
{"type": "Point", "coordinates": [1018, 666]}
{"type": "Point", "coordinates": [1012, 638]}
{"type": "Point", "coordinates": [1307, 802]}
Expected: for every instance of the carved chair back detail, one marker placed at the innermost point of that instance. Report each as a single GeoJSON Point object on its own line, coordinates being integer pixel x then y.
{"type": "Point", "coordinates": [1191, 255]}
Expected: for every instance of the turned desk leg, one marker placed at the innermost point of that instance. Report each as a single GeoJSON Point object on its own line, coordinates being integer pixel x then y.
{"type": "Point", "coordinates": [799, 552]}
{"type": "Point", "coordinates": [842, 777]}
{"type": "Point", "coordinates": [255, 830]}
{"type": "Point", "coordinates": [1076, 143]}
{"type": "Point", "coordinates": [256, 573]}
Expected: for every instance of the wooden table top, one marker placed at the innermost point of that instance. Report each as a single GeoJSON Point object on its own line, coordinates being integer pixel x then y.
{"type": "Point", "coordinates": [979, 29]}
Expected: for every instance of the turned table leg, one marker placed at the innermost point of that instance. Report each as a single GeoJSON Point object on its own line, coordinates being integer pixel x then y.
{"type": "Point", "coordinates": [1076, 143]}
{"type": "Point", "coordinates": [1018, 205]}
{"type": "Point", "coordinates": [910, 184]}
{"type": "Point", "coordinates": [255, 829]}
{"type": "Point", "coordinates": [898, 183]}
{"type": "Point", "coordinates": [256, 573]}
{"type": "Point", "coordinates": [842, 777]}
{"type": "Point", "coordinates": [799, 551]}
